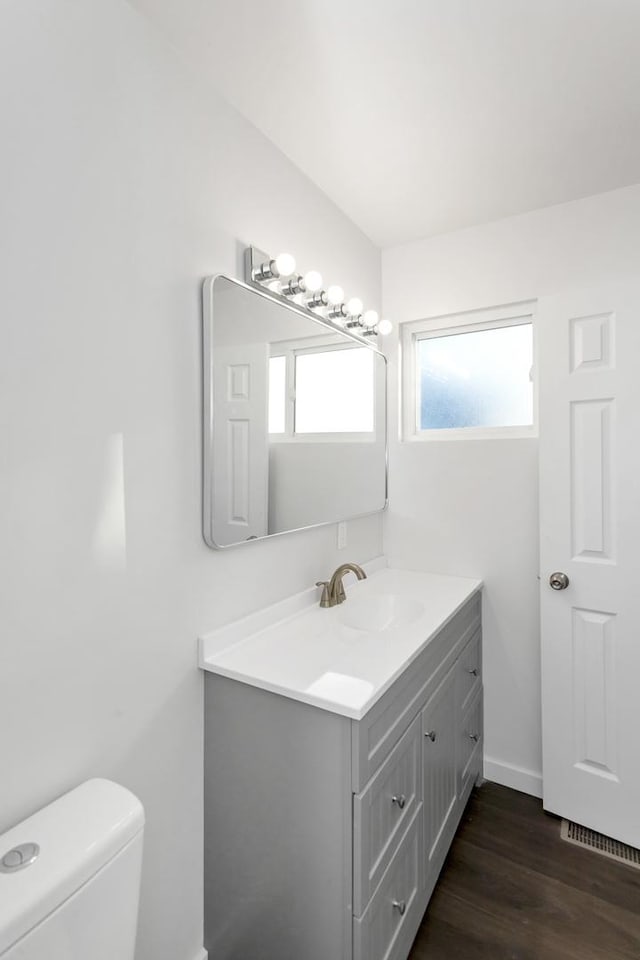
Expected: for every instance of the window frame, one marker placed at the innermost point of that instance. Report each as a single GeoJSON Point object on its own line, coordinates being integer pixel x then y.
{"type": "Point", "coordinates": [290, 350]}
{"type": "Point", "coordinates": [471, 321]}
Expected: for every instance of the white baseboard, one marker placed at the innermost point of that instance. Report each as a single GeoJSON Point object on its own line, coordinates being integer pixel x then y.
{"type": "Point", "coordinates": [201, 954]}
{"type": "Point", "coordinates": [509, 775]}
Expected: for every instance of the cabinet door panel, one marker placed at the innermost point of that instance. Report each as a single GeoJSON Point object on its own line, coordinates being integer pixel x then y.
{"type": "Point", "coordinates": [439, 765]}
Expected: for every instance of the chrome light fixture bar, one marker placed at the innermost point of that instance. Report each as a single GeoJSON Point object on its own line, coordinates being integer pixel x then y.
{"type": "Point", "coordinates": [280, 277]}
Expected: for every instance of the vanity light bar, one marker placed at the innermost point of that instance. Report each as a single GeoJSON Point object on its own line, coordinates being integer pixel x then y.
{"type": "Point", "coordinates": [280, 276]}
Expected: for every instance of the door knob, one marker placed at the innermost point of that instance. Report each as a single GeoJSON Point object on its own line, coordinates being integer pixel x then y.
{"type": "Point", "coordinates": [558, 581]}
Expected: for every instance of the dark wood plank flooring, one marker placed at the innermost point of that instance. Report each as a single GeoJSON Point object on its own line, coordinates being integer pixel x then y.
{"type": "Point", "coordinates": [512, 890]}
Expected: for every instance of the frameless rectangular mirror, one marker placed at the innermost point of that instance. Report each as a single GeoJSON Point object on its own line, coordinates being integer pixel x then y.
{"type": "Point", "coordinates": [294, 418]}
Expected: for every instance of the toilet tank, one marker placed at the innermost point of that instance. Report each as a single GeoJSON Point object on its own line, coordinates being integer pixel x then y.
{"type": "Point", "coordinates": [78, 898]}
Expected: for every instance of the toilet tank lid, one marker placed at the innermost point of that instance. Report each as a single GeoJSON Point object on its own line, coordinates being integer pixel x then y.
{"type": "Point", "coordinates": [77, 835]}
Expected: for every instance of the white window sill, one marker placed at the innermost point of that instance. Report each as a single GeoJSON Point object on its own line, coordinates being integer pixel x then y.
{"type": "Point", "coordinates": [473, 433]}
{"type": "Point", "coordinates": [324, 438]}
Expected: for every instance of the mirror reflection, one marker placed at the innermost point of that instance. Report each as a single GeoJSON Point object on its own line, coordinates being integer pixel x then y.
{"type": "Point", "coordinates": [295, 425]}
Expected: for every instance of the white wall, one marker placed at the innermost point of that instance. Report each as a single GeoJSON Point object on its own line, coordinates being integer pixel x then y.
{"type": "Point", "coordinates": [470, 507]}
{"type": "Point", "coordinates": [122, 184]}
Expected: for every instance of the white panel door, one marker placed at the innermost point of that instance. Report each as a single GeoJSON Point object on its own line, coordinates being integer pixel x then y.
{"type": "Point", "coordinates": [240, 443]}
{"type": "Point", "coordinates": [589, 352]}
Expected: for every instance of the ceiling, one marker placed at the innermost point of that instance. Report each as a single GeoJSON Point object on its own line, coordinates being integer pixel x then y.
{"type": "Point", "coordinates": [422, 116]}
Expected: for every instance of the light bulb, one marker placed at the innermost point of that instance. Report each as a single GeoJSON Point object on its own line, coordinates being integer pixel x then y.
{"type": "Point", "coordinates": [285, 264]}
{"type": "Point", "coordinates": [370, 318]}
{"type": "Point", "coordinates": [354, 307]}
{"type": "Point", "coordinates": [313, 281]}
{"type": "Point", "coordinates": [385, 327]}
{"type": "Point", "coordinates": [335, 295]}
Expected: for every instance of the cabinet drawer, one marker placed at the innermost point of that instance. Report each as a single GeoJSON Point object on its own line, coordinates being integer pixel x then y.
{"type": "Point", "coordinates": [374, 737]}
{"type": "Point", "coordinates": [386, 930]}
{"type": "Point", "coordinates": [472, 771]}
{"type": "Point", "coordinates": [469, 672]}
{"type": "Point", "coordinates": [381, 813]}
{"type": "Point", "coordinates": [470, 742]}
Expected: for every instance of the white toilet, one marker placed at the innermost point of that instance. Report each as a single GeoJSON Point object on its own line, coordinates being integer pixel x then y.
{"type": "Point", "coordinates": [70, 877]}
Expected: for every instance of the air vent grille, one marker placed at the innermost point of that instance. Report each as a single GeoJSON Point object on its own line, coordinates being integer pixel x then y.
{"type": "Point", "coordinates": [591, 840]}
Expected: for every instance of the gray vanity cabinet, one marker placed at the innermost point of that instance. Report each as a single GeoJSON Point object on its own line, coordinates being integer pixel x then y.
{"type": "Point", "coordinates": [324, 836]}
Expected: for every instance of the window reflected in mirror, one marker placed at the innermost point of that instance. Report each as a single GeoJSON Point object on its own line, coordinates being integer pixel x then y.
{"type": "Point", "coordinates": [326, 389]}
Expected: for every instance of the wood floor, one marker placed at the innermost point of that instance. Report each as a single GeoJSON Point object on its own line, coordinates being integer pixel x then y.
{"type": "Point", "coordinates": [512, 890]}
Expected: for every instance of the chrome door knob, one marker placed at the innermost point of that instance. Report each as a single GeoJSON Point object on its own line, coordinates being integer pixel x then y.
{"type": "Point", "coordinates": [400, 801]}
{"type": "Point", "coordinates": [400, 906]}
{"type": "Point", "coordinates": [432, 735]}
{"type": "Point", "coordinates": [558, 581]}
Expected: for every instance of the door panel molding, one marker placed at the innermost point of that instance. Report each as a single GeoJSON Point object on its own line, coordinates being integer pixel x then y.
{"type": "Point", "coordinates": [592, 488]}
{"type": "Point", "coordinates": [594, 691]}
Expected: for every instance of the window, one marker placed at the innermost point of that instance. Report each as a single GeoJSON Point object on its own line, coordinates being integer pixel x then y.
{"type": "Point", "coordinates": [277, 394]}
{"type": "Point", "coordinates": [470, 375]}
{"type": "Point", "coordinates": [321, 392]}
{"type": "Point", "coordinates": [347, 407]}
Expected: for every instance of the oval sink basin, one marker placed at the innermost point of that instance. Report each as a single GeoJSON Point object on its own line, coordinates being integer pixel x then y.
{"type": "Point", "coordinates": [379, 612]}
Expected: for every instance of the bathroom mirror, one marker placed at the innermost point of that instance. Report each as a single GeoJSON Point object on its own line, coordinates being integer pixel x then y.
{"type": "Point", "coordinates": [294, 418]}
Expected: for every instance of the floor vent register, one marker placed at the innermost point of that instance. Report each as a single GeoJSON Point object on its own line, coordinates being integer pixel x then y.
{"type": "Point", "coordinates": [598, 843]}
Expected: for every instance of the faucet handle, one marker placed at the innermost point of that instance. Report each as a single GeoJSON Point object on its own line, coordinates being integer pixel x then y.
{"type": "Point", "coordinates": [324, 599]}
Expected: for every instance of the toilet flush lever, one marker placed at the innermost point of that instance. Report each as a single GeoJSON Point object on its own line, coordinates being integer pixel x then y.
{"type": "Point", "coordinates": [19, 857]}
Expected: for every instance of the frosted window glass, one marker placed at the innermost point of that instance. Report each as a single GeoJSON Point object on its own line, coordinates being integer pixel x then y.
{"type": "Point", "coordinates": [476, 379]}
{"type": "Point", "coordinates": [277, 393]}
{"type": "Point", "coordinates": [334, 391]}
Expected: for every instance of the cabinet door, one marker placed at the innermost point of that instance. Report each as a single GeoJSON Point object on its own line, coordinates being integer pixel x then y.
{"type": "Point", "coordinates": [439, 770]}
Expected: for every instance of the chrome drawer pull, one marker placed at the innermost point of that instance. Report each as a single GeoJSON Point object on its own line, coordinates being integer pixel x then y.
{"type": "Point", "coordinates": [400, 906]}
{"type": "Point", "coordinates": [401, 801]}
{"type": "Point", "coordinates": [432, 735]}
{"type": "Point", "coordinates": [474, 737]}
{"type": "Point", "coordinates": [474, 672]}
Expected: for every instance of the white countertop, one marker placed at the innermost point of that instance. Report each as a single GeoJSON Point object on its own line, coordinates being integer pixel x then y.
{"type": "Point", "coordinates": [340, 659]}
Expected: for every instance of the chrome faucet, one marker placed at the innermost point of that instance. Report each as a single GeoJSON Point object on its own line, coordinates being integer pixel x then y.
{"type": "Point", "coordinates": [333, 590]}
